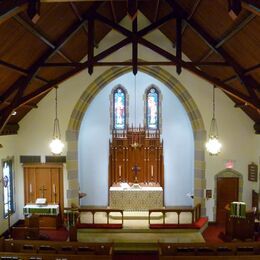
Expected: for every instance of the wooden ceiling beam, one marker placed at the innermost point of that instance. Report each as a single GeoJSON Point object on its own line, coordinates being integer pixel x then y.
{"type": "Point", "coordinates": [228, 35]}
{"type": "Point", "coordinates": [78, 15]}
{"type": "Point", "coordinates": [20, 70]}
{"type": "Point", "coordinates": [157, 24]}
{"type": "Point", "coordinates": [113, 11]}
{"type": "Point", "coordinates": [23, 82]}
{"type": "Point", "coordinates": [10, 8]}
{"type": "Point", "coordinates": [178, 44]}
{"type": "Point", "coordinates": [7, 14]}
{"type": "Point", "coordinates": [192, 12]}
{"type": "Point", "coordinates": [112, 49]}
{"type": "Point", "coordinates": [156, 10]}
{"type": "Point", "coordinates": [132, 8]}
{"type": "Point", "coordinates": [91, 33]}
{"type": "Point", "coordinates": [42, 90]}
{"type": "Point", "coordinates": [62, 65]}
{"type": "Point", "coordinates": [246, 72]}
{"type": "Point", "coordinates": [253, 3]}
{"type": "Point", "coordinates": [134, 47]}
{"type": "Point", "coordinates": [114, 63]}
{"type": "Point", "coordinates": [39, 35]}
{"type": "Point", "coordinates": [226, 88]}
{"type": "Point", "coordinates": [113, 25]}
{"type": "Point", "coordinates": [212, 43]}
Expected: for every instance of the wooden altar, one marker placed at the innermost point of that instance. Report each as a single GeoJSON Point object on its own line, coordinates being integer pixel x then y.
{"type": "Point", "coordinates": [44, 181]}
{"type": "Point", "coordinates": [136, 156]}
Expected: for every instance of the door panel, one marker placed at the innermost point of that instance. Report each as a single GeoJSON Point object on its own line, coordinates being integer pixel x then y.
{"type": "Point", "coordinates": [227, 191]}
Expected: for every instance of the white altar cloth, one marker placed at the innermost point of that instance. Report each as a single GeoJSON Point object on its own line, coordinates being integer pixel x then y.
{"type": "Point", "coordinates": [49, 209]}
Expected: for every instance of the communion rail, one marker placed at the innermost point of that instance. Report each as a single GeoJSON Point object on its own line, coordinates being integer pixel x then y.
{"type": "Point", "coordinates": [76, 216]}
{"type": "Point", "coordinates": [196, 220]}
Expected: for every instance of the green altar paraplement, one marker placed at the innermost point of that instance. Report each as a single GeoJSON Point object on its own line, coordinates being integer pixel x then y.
{"type": "Point", "coordinates": [49, 214]}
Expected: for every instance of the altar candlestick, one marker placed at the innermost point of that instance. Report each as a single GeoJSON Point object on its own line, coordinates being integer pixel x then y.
{"type": "Point", "coordinates": [30, 188]}
{"type": "Point", "coordinates": [152, 170]}
{"type": "Point", "coordinates": [119, 170]}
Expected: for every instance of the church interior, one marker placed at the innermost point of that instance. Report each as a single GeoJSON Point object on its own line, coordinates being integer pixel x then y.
{"type": "Point", "coordinates": [129, 129]}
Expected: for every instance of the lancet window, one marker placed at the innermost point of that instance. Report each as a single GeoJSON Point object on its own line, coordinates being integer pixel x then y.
{"type": "Point", "coordinates": [8, 186]}
{"type": "Point", "coordinates": [152, 108]}
{"type": "Point", "coordinates": [119, 105]}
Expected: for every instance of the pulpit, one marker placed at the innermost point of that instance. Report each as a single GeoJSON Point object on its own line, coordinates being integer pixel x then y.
{"type": "Point", "coordinates": [239, 222]}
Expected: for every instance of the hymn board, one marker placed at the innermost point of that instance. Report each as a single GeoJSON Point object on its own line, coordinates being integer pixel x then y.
{"type": "Point", "coordinates": [136, 156]}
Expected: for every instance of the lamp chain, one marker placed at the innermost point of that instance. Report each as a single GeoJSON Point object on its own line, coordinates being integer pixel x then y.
{"type": "Point", "coordinates": [135, 100]}
{"type": "Point", "coordinates": [214, 102]}
{"type": "Point", "coordinates": [56, 104]}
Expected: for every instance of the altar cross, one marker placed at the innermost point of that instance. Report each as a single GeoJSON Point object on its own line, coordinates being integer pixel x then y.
{"type": "Point", "coordinates": [135, 169]}
{"type": "Point", "coordinates": [42, 189]}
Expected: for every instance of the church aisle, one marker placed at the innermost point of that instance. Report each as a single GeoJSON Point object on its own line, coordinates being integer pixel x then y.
{"type": "Point", "coordinates": [123, 237]}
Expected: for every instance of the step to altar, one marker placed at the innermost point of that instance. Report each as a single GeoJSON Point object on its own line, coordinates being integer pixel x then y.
{"type": "Point", "coordinates": [135, 215]}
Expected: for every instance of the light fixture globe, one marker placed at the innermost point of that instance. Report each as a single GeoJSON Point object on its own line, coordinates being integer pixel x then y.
{"type": "Point", "coordinates": [56, 146]}
{"type": "Point", "coordinates": [213, 144]}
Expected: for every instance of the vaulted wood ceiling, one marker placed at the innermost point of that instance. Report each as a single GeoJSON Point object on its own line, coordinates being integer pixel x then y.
{"type": "Point", "coordinates": [35, 57]}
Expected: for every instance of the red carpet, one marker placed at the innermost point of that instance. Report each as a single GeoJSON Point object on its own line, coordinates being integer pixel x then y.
{"type": "Point", "coordinates": [212, 233]}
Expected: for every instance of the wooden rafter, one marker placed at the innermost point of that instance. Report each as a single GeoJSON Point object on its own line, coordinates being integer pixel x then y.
{"type": "Point", "coordinates": [178, 44]}
{"type": "Point", "coordinates": [226, 88]}
{"type": "Point", "coordinates": [212, 43]}
{"type": "Point", "coordinates": [23, 82]}
{"type": "Point", "coordinates": [113, 11]}
{"type": "Point", "coordinates": [148, 63]}
{"type": "Point", "coordinates": [8, 7]}
{"type": "Point", "coordinates": [91, 36]}
{"type": "Point", "coordinates": [20, 70]}
{"type": "Point", "coordinates": [39, 35]}
{"type": "Point", "coordinates": [78, 15]}
{"type": "Point", "coordinates": [246, 72]}
{"type": "Point", "coordinates": [135, 47]}
{"type": "Point", "coordinates": [232, 32]}
{"type": "Point", "coordinates": [192, 12]}
{"type": "Point", "coordinates": [46, 88]}
{"type": "Point", "coordinates": [156, 10]}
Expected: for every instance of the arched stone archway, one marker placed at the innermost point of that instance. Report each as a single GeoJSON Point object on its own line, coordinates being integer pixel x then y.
{"type": "Point", "coordinates": [176, 87]}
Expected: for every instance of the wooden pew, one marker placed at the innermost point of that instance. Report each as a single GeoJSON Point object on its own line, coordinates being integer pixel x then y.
{"type": "Point", "coordinates": [190, 250]}
{"type": "Point", "coordinates": [62, 250]}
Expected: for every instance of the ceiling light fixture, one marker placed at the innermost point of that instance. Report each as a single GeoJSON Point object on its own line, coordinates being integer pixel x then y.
{"type": "Point", "coordinates": [213, 144]}
{"type": "Point", "coordinates": [56, 144]}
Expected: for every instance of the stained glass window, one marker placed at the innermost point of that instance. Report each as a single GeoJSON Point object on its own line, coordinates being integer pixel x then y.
{"type": "Point", "coordinates": [119, 108]}
{"type": "Point", "coordinates": [152, 108]}
{"type": "Point", "coordinates": [8, 187]}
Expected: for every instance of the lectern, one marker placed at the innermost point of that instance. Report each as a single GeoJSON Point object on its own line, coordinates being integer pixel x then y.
{"type": "Point", "coordinates": [239, 223]}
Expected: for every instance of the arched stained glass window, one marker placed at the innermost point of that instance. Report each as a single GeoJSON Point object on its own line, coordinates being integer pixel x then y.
{"type": "Point", "coordinates": [119, 108]}
{"type": "Point", "coordinates": [152, 108]}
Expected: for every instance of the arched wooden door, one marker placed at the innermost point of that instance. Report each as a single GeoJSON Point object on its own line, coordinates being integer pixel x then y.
{"type": "Point", "coordinates": [227, 191]}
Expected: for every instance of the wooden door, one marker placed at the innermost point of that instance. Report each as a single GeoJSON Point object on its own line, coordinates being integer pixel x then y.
{"type": "Point", "coordinates": [227, 191]}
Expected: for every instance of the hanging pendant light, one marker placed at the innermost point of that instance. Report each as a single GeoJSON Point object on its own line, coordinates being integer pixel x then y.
{"type": "Point", "coordinates": [56, 144]}
{"type": "Point", "coordinates": [213, 144]}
